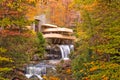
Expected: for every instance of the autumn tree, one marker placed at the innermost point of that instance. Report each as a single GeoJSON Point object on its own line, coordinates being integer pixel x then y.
{"type": "Point", "coordinates": [16, 51]}
{"type": "Point", "coordinates": [4, 69]}
{"type": "Point", "coordinates": [58, 12]}
{"type": "Point", "coordinates": [13, 13]}
{"type": "Point", "coordinates": [16, 48]}
{"type": "Point", "coordinates": [98, 50]}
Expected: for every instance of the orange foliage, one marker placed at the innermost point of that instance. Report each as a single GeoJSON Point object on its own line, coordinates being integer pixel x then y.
{"type": "Point", "coordinates": [105, 78]}
{"type": "Point", "coordinates": [81, 70]}
{"type": "Point", "coordinates": [57, 11]}
{"type": "Point", "coordinates": [31, 0]}
{"type": "Point", "coordinates": [5, 33]}
{"type": "Point", "coordinates": [85, 78]}
{"type": "Point", "coordinates": [92, 62]}
{"type": "Point", "coordinates": [93, 68]}
{"type": "Point", "coordinates": [33, 11]}
{"type": "Point", "coordinates": [91, 6]}
{"type": "Point", "coordinates": [50, 78]}
{"type": "Point", "coordinates": [68, 71]}
{"type": "Point", "coordinates": [54, 78]}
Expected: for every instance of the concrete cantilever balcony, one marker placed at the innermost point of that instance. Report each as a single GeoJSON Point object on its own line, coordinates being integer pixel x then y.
{"type": "Point", "coordinates": [49, 25]}
{"type": "Point", "coordinates": [55, 33]}
{"type": "Point", "coordinates": [58, 30]}
{"type": "Point", "coordinates": [59, 36]}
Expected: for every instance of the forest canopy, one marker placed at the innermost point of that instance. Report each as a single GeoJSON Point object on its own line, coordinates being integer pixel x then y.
{"type": "Point", "coordinates": [98, 54]}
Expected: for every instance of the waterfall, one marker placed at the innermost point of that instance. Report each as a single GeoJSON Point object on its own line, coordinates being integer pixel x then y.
{"type": "Point", "coordinates": [65, 51]}
{"type": "Point", "coordinates": [37, 70]}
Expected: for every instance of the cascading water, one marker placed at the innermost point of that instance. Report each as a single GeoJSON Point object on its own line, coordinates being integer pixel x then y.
{"type": "Point", "coordinates": [34, 71]}
{"type": "Point", "coordinates": [65, 51]}
{"type": "Point", "coordinates": [37, 70]}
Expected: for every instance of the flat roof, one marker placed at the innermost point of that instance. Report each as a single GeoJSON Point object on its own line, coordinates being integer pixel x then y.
{"type": "Point", "coordinates": [49, 25]}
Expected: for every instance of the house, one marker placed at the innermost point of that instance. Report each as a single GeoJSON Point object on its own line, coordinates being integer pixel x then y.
{"type": "Point", "coordinates": [60, 40]}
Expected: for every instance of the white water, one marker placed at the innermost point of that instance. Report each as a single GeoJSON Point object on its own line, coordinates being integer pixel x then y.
{"type": "Point", "coordinates": [29, 76]}
{"type": "Point", "coordinates": [35, 71]}
{"type": "Point", "coordinates": [65, 51]}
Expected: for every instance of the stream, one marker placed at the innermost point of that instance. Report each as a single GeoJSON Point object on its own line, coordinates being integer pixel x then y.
{"type": "Point", "coordinates": [41, 68]}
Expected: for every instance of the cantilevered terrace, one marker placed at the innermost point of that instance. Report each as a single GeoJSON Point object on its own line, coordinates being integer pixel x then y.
{"type": "Point", "coordinates": [57, 35]}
